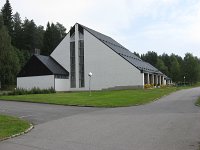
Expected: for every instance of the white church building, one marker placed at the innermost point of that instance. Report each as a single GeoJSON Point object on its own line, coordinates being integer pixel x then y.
{"type": "Point", "coordinates": [82, 51]}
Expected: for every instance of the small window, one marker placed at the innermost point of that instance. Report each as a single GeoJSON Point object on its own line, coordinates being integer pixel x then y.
{"type": "Point", "coordinates": [61, 77]}
{"type": "Point", "coordinates": [81, 64]}
{"type": "Point", "coordinates": [72, 65]}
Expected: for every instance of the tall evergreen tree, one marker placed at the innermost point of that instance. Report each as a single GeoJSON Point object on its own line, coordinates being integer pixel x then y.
{"type": "Point", "coordinates": [137, 54]}
{"type": "Point", "coordinates": [47, 41]}
{"type": "Point", "coordinates": [166, 59]}
{"type": "Point", "coordinates": [52, 37]}
{"type": "Point", "coordinates": [174, 69]}
{"type": "Point", "coordinates": [7, 17]}
{"type": "Point", "coordinates": [39, 37]}
{"type": "Point", "coordinates": [150, 57]}
{"type": "Point", "coordinates": [181, 64]}
{"type": "Point", "coordinates": [191, 68]}
{"type": "Point", "coordinates": [29, 35]}
{"type": "Point", "coordinates": [55, 36]}
{"type": "Point", "coordinates": [17, 31]}
{"type": "Point", "coordinates": [161, 66]}
{"type": "Point", "coordinates": [1, 21]}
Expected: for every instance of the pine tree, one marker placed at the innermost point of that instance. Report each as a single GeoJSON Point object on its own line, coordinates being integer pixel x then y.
{"type": "Point", "coordinates": [39, 37]}
{"type": "Point", "coordinates": [47, 40]}
{"type": "Point", "coordinates": [166, 59]}
{"type": "Point", "coordinates": [150, 57]}
{"type": "Point", "coordinates": [137, 54]}
{"type": "Point", "coordinates": [52, 37]}
{"type": "Point", "coordinates": [7, 17]}
{"type": "Point", "coordinates": [191, 68]}
{"type": "Point", "coordinates": [17, 31]}
{"type": "Point", "coordinates": [1, 21]}
{"type": "Point", "coordinates": [161, 66]}
{"type": "Point", "coordinates": [174, 69]}
{"type": "Point", "coordinates": [29, 35]}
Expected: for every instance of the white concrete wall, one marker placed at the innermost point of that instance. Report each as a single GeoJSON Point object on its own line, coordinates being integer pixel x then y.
{"type": "Point", "coordinates": [42, 82]}
{"type": "Point", "coordinates": [62, 53]}
{"type": "Point", "coordinates": [62, 84]}
{"type": "Point", "coordinates": [108, 68]}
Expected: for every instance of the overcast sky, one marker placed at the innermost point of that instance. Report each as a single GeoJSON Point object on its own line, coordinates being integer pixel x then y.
{"type": "Point", "coordinates": [163, 26]}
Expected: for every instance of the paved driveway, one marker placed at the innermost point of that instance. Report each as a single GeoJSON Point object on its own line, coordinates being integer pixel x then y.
{"type": "Point", "coordinates": [41, 113]}
{"type": "Point", "coordinates": [171, 123]}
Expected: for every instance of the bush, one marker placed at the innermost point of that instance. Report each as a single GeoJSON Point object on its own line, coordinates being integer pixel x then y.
{"type": "Point", "coordinates": [7, 87]}
{"type": "Point", "coordinates": [163, 86]}
{"type": "Point", "coordinates": [21, 91]}
{"type": "Point", "coordinates": [147, 86]}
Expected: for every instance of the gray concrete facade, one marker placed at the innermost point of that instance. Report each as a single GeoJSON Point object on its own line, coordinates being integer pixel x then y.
{"type": "Point", "coordinates": [109, 69]}
{"type": "Point", "coordinates": [111, 64]}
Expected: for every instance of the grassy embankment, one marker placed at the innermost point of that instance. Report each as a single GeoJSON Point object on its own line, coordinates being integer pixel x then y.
{"type": "Point", "coordinates": [98, 98]}
{"type": "Point", "coordinates": [10, 126]}
{"type": "Point", "coordinates": [118, 98]}
{"type": "Point", "coordinates": [198, 102]}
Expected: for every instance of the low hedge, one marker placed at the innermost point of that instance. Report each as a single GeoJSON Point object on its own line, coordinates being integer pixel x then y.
{"type": "Point", "coordinates": [21, 91]}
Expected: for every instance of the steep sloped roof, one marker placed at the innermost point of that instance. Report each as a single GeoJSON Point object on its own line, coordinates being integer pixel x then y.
{"type": "Point", "coordinates": [52, 65]}
{"type": "Point", "coordinates": [42, 65]}
{"type": "Point", "coordinates": [123, 52]}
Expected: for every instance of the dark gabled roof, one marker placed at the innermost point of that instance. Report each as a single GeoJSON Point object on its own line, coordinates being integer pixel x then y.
{"type": "Point", "coordinates": [52, 65]}
{"type": "Point", "coordinates": [123, 52]}
{"type": "Point", "coordinates": [39, 65]}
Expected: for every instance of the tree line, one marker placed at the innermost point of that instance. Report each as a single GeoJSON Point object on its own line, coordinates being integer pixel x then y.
{"type": "Point", "coordinates": [179, 69]}
{"type": "Point", "coordinates": [19, 39]}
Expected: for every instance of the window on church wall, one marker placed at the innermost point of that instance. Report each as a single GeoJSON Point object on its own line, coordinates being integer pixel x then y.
{"type": "Point", "coordinates": [81, 64]}
{"type": "Point", "coordinates": [72, 65]}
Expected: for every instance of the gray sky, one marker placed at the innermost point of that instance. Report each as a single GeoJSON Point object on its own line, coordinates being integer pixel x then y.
{"type": "Point", "coordinates": [163, 26]}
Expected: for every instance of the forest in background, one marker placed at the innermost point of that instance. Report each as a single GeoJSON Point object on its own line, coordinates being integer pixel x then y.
{"type": "Point", "coordinates": [20, 38]}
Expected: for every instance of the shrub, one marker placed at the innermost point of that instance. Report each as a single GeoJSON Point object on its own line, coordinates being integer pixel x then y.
{"type": "Point", "coordinates": [163, 86]}
{"type": "Point", "coordinates": [147, 86]}
{"type": "Point", "coordinates": [21, 91]}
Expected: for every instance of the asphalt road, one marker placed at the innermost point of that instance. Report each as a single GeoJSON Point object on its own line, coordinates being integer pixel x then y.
{"type": "Point", "coordinates": [171, 123]}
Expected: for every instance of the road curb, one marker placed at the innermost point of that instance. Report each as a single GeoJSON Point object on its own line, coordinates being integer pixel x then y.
{"type": "Point", "coordinates": [18, 134]}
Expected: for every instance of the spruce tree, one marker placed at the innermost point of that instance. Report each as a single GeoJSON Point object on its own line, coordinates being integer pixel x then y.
{"type": "Point", "coordinates": [29, 35]}
{"type": "Point", "coordinates": [174, 68]}
{"type": "Point", "coordinates": [52, 37]}
{"type": "Point", "coordinates": [150, 57]}
{"type": "Point", "coordinates": [17, 31]}
{"type": "Point", "coordinates": [47, 40]}
{"type": "Point", "coordinates": [7, 17]}
{"type": "Point", "coordinates": [161, 66]}
{"type": "Point", "coordinates": [39, 37]}
{"type": "Point", "coordinates": [191, 68]}
{"type": "Point", "coordinates": [1, 21]}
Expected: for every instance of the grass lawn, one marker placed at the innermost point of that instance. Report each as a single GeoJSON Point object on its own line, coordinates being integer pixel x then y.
{"type": "Point", "coordinates": [98, 98]}
{"type": "Point", "coordinates": [198, 102]}
{"type": "Point", "coordinates": [11, 125]}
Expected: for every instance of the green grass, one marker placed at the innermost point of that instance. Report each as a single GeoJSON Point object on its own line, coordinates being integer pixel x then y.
{"type": "Point", "coordinates": [198, 102]}
{"type": "Point", "coordinates": [98, 99]}
{"type": "Point", "coordinates": [11, 125]}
